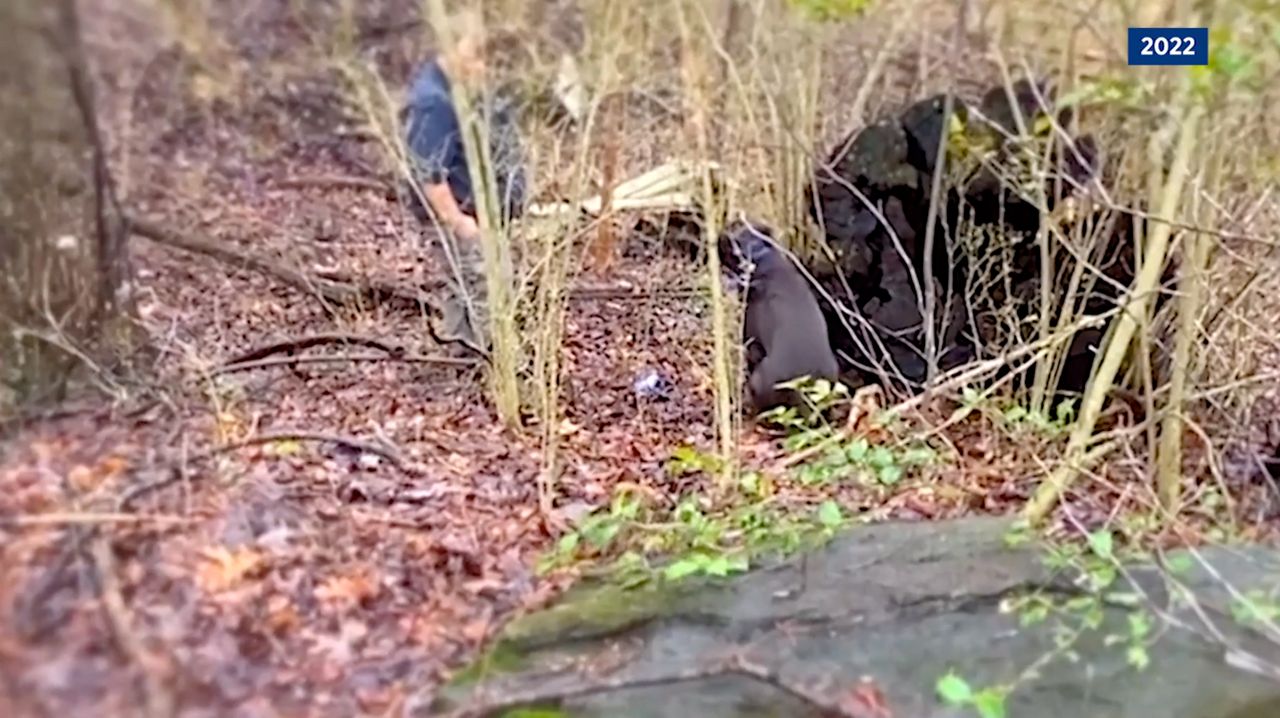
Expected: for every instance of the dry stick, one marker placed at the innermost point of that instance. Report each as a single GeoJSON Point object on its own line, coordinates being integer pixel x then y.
{"type": "Point", "coordinates": [494, 240]}
{"type": "Point", "coordinates": [693, 80]}
{"type": "Point", "coordinates": [337, 291]}
{"type": "Point", "coordinates": [159, 701]}
{"type": "Point", "coordinates": [1169, 447]}
{"type": "Point", "coordinates": [334, 182]}
{"type": "Point", "coordinates": [113, 258]}
{"type": "Point", "coordinates": [339, 359]}
{"type": "Point", "coordinates": [71, 519]}
{"type": "Point", "coordinates": [890, 44]}
{"type": "Point", "coordinates": [333, 291]}
{"type": "Point", "coordinates": [596, 293]}
{"type": "Point", "coordinates": [386, 452]}
{"type": "Point", "coordinates": [315, 340]}
{"type": "Point", "coordinates": [1135, 307]}
{"type": "Point", "coordinates": [391, 454]}
{"type": "Point", "coordinates": [930, 306]}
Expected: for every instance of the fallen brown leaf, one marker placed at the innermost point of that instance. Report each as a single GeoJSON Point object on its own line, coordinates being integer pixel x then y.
{"type": "Point", "coordinates": [221, 569]}
{"type": "Point", "coordinates": [349, 590]}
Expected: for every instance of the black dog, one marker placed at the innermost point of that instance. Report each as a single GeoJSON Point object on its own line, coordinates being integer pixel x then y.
{"type": "Point", "coordinates": [784, 329]}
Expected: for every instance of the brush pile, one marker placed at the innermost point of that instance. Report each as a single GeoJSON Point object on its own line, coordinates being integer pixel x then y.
{"type": "Point", "coordinates": [1008, 197]}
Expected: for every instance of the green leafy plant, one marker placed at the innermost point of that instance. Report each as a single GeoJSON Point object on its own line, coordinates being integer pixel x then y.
{"type": "Point", "coordinates": [595, 534]}
{"type": "Point", "coordinates": [830, 10]}
{"type": "Point", "coordinates": [697, 537]}
{"type": "Point", "coordinates": [956, 692]}
{"type": "Point", "coordinates": [859, 458]}
{"type": "Point", "coordinates": [688, 460]}
{"type": "Point", "coordinates": [1255, 607]}
{"type": "Point", "coordinates": [819, 396]}
{"type": "Point", "coordinates": [1021, 417]}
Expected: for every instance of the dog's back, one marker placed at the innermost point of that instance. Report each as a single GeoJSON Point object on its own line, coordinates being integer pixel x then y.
{"type": "Point", "coordinates": [784, 326]}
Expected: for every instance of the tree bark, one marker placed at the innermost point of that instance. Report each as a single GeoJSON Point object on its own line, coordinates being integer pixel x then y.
{"type": "Point", "coordinates": [112, 235]}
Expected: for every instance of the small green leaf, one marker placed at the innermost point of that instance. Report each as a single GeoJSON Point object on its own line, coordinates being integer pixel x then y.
{"type": "Point", "coordinates": [1066, 411]}
{"type": "Point", "coordinates": [857, 450]}
{"type": "Point", "coordinates": [568, 543]}
{"type": "Point", "coordinates": [534, 713]}
{"type": "Point", "coordinates": [1079, 604]}
{"type": "Point", "coordinates": [954, 690]}
{"type": "Point", "coordinates": [682, 568]}
{"type": "Point", "coordinates": [1137, 656]}
{"type": "Point", "coordinates": [880, 456]}
{"type": "Point", "coordinates": [989, 703]}
{"type": "Point", "coordinates": [718, 566]}
{"type": "Point", "coordinates": [834, 457]}
{"type": "Point", "coordinates": [811, 474]}
{"type": "Point", "coordinates": [1103, 576]}
{"type": "Point", "coordinates": [918, 455]}
{"type": "Point", "coordinates": [1034, 614]}
{"type": "Point", "coordinates": [1124, 598]}
{"type": "Point", "coordinates": [829, 514]}
{"type": "Point", "coordinates": [1139, 624]}
{"type": "Point", "coordinates": [1094, 617]}
{"type": "Point", "coordinates": [889, 475]}
{"type": "Point", "coordinates": [1179, 563]}
{"type": "Point", "coordinates": [1018, 534]}
{"type": "Point", "coordinates": [1102, 544]}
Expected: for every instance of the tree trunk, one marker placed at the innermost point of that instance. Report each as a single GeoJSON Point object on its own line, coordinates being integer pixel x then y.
{"type": "Point", "coordinates": [62, 258]}
{"type": "Point", "coordinates": [109, 227]}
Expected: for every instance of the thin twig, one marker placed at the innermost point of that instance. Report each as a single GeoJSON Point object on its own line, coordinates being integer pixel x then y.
{"type": "Point", "coordinates": [340, 359]}
{"type": "Point", "coordinates": [158, 700]}
{"type": "Point", "coordinates": [334, 182]}
{"type": "Point", "coordinates": [315, 340]}
{"type": "Point", "coordinates": [331, 291]}
{"type": "Point", "coordinates": [598, 293]}
{"type": "Point", "coordinates": [83, 519]}
{"type": "Point", "coordinates": [390, 453]}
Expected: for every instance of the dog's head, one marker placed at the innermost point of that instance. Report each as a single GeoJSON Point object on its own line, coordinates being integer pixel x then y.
{"type": "Point", "coordinates": [745, 244]}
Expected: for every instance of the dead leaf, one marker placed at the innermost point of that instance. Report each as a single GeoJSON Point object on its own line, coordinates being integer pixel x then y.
{"type": "Point", "coordinates": [348, 590]}
{"type": "Point", "coordinates": [84, 479]}
{"type": "Point", "coordinates": [476, 629]}
{"type": "Point", "coordinates": [112, 466]}
{"type": "Point", "coordinates": [282, 615]}
{"type": "Point", "coordinates": [227, 426]}
{"type": "Point", "coordinates": [221, 569]}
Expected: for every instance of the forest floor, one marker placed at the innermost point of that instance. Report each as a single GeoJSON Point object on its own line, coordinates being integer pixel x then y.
{"type": "Point", "coordinates": [309, 577]}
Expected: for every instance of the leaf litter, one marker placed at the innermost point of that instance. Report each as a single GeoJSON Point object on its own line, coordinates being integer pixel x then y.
{"type": "Point", "coordinates": [311, 580]}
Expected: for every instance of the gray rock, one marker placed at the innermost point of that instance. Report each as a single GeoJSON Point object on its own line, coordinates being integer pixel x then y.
{"type": "Point", "coordinates": [898, 605]}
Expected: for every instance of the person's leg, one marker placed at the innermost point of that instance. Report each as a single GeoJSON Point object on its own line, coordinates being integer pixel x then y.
{"type": "Point", "coordinates": [464, 306]}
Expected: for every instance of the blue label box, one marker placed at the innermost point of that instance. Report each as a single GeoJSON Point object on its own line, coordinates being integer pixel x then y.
{"type": "Point", "coordinates": [1168, 46]}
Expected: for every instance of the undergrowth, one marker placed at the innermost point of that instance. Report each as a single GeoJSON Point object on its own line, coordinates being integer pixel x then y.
{"type": "Point", "coordinates": [715, 531]}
